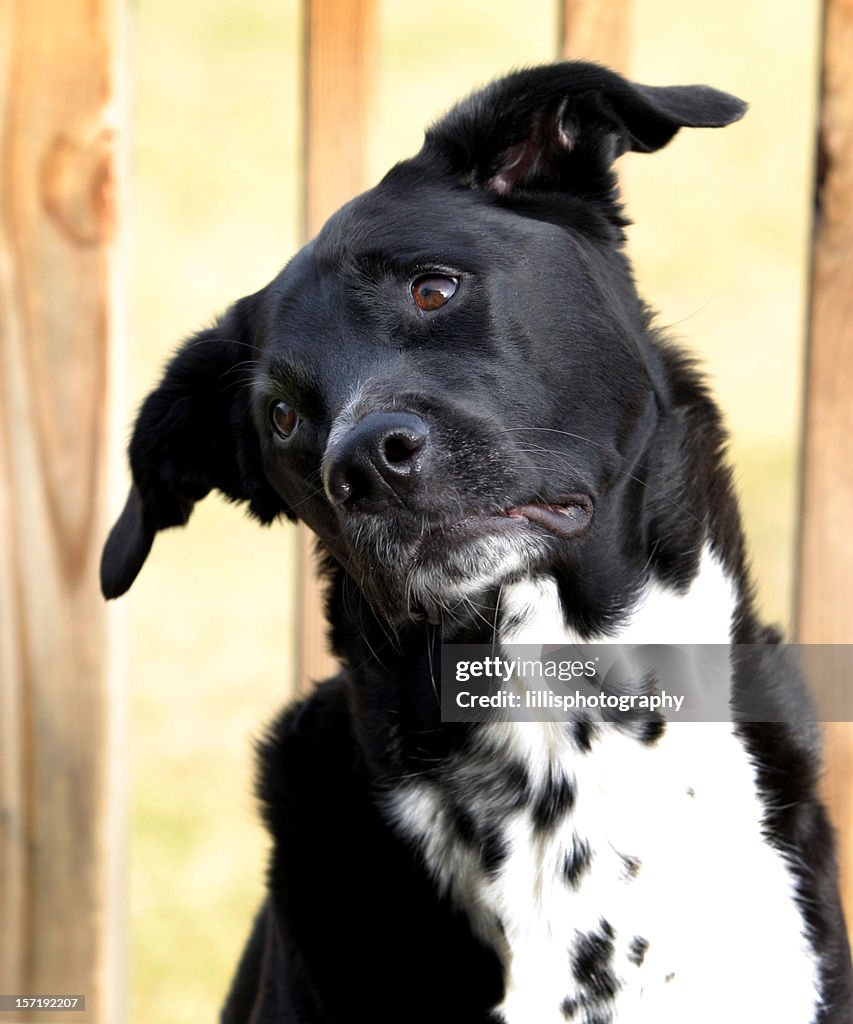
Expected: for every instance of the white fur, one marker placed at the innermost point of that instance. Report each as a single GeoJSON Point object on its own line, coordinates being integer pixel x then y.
{"type": "Point", "coordinates": [472, 569]}
{"type": "Point", "coordinates": [713, 900]}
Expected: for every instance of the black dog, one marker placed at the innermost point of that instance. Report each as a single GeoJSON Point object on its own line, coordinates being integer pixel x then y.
{"type": "Point", "coordinates": [457, 387]}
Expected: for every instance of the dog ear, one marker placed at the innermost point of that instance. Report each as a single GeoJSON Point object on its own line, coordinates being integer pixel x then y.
{"type": "Point", "coordinates": [193, 433]}
{"type": "Point", "coordinates": [561, 125]}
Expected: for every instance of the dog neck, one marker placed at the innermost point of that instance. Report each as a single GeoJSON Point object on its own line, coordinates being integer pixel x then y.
{"type": "Point", "coordinates": [396, 677]}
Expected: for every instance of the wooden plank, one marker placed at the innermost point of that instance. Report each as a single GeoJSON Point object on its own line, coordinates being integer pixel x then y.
{"type": "Point", "coordinates": [595, 30]}
{"type": "Point", "coordinates": [341, 50]}
{"type": "Point", "coordinates": [825, 571]}
{"type": "Point", "coordinates": [60, 926]}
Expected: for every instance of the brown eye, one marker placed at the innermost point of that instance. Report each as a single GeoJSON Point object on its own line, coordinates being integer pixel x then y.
{"type": "Point", "coordinates": [284, 419]}
{"type": "Point", "coordinates": [432, 291]}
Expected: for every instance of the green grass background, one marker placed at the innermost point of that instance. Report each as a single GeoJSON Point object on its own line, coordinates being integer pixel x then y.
{"type": "Point", "coordinates": [720, 247]}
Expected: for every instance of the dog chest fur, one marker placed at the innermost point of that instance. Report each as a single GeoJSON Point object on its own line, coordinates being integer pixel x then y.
{"type": "Point", "coordinates": [616, 878]}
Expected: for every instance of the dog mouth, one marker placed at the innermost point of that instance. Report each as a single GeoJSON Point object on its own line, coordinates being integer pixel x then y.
{"type": "Point", "coordinates": [447, 562]}
{"type": "Point", "coordinates": [566, 518]}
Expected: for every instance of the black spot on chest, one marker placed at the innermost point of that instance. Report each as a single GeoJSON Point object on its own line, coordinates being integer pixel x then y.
{"type": "Point", "coordinates": [651, 730]}
{"type": "Point", "coordinates": [464, 824]}
{"type": "Point", "coordinates": [583, 732]}
{"type": "Point", "coordinates": [492, 785]}
{"type": "Point", "coordinates": [592, 963]}
{"type": "Point", "coordinates": [637, 950]}
{"type": "Point", "coordinates": [478, 793]}
{"type": "Point", "coordinates": [576, 861]}
{"type": "Point", "coordinates": [553, 802]}
{"type": "Point", "coordinates": [486, 839]}
{"type": "Point", "coordinates": [493, 849]}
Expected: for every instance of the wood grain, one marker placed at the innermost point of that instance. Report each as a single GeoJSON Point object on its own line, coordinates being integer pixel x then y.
{"type": "Point", "coordinates": [341, 50]}
{"type": "Point", "coordinates": [595, 30]}
{"type": "Point", "coordinates": [60, 916]}
{"type": "Point", "coordinates": [825, 570]}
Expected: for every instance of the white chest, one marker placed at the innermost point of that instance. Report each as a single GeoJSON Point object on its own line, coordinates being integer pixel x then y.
{"type": "Point", "coordinates": [618, 881]}
{"type": "Point", "coordinates": [651, 895]}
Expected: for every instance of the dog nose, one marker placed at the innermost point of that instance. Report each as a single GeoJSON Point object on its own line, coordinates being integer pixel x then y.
{"type": "Point", "coordinates": [379, 458]}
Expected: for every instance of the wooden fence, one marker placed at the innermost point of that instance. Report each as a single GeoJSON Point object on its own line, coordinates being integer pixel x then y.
{"type": "Point", "coordinates": [61, 902]}
{"type": "Point", "coordinates": [61, 136]}
{"type": "Point", "coordinates": [824, 594]}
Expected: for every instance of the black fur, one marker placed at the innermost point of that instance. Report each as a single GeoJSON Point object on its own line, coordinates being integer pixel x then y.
{"type": "Point", "coordinates": [541, 383]}
{"type": "Point", "coordinates": [637, 954]}
{"type": "Point", "coordinates": [592, 964]}
{"type": "Point", "coordinates": [553, 803]}
{"type": "Point", "coordinates": [576, 862]}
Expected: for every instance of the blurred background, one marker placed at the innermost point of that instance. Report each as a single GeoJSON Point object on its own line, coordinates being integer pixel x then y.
{"type": "Point", "coordinates": [720, 249]}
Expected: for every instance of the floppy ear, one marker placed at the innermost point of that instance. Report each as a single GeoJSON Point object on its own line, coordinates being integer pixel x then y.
{"type": "Point", "coordinates": [194, 433]}
{"type": "Point", "coordinates": [560, 126]}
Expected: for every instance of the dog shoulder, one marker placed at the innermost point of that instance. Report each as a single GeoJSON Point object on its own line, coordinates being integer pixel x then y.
{"type": "Point", "coordinates": [301, 757]}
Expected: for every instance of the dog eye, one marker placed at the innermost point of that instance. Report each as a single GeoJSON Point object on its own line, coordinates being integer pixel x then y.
{"type": "Point", "coordinates": [284, 419]}
{"type": "Point", "coordinates": [432, 291]}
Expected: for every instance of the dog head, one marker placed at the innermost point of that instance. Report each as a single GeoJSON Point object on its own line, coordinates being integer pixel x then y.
{"type": "Point", "coordinates": [455, 383]}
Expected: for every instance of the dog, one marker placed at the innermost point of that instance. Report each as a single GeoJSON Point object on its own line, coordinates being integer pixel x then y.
{"type": "Point", "coordinates": [459, 390]}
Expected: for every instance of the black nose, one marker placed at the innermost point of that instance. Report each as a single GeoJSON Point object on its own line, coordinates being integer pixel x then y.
{"type": "Point", "coordinates": [379, 459]}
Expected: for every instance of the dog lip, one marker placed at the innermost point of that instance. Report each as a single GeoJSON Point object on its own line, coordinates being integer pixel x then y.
{"type": "Point", "coordinates": [567, 517]}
